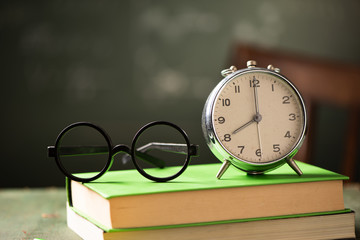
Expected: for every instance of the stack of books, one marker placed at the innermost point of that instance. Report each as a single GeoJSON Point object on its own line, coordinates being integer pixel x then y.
{"type": "Point", "coordinates": [196, 205]}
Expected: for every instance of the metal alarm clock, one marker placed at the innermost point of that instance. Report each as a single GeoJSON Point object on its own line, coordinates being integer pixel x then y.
{"type": "Point", "coordinates": [254, 120]}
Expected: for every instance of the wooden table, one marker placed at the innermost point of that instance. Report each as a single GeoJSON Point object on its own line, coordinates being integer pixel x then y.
{"type": "Point", "coordinates": [40, 213]}
{"type": "Point", "coordinates": [34, 213]}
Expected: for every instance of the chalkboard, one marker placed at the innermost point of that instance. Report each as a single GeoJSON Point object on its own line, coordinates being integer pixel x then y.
{"type": "Point", "coordinates": [121, 64]}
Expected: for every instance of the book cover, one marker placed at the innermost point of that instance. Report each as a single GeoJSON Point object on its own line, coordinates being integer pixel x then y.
{"type": "Point", "coordinates": [201, 177]}
{"type": "Point", "coordinates": [124, 199]}
{"type": "Point", "coordinates": [331, 225]}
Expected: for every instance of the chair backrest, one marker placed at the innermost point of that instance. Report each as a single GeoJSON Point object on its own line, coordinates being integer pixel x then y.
{"type": "Point", "coordinates": [319, 81]}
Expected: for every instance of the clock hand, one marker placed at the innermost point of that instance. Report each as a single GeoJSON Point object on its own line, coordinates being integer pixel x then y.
{"type": "Point", "coordinates": [258, 131]}
{"type": "Point", "coordinates": [258, 116]}
{"type": "Point", "coordinates": [244, 126]}
{"type": "Point", "coordinates": [256, 96]}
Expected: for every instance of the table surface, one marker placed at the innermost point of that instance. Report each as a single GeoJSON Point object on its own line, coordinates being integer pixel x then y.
{"type": "Point", "coordinates": [41, 213]}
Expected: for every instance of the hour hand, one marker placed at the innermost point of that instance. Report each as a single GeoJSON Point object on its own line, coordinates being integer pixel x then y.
{"type": "Point", "coordinates": [244, 126]}
{"type": "Point", "coordinates": [257, 118]}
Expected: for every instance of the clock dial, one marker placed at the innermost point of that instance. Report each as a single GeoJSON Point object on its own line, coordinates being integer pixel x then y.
{"type": "Point", "coordinates": [258, 117]}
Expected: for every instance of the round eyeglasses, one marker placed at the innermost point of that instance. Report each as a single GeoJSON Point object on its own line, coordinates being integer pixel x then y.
{"type": "Point", "coordinates": [160, 151]}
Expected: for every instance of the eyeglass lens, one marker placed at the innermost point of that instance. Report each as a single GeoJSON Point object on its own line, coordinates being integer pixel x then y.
{"type": "Point", "coordinates": [160, 151]}
{"type": "Point", "coordinates": [83, 149]}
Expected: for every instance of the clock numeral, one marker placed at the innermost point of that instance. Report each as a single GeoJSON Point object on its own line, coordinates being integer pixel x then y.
{"type": "Point", "coordinates": [241, 149]}
{"type": "Point", "coordinates": [221, 120]}
{"type": "Point", "coordinates": [225, 102]}
{"type": "Point", "coordinates": [237, 88]}
{"type": "Point", "coordinates": [286, 99]}
{"type": "Point", "coordinates": [292, 117]}
{"type": "Point", "coordinates": [287, 134]}
{"type": "Point", "coordinates": [258, 152]}
{"type": "Point", "coordinates": [273, 87]}
{"type": "Point", "coordinates": [276, 148]}
{"type": "Point", "coordinates": [227, 137]}
{"type": "Point", "coordinates": [254, 82]}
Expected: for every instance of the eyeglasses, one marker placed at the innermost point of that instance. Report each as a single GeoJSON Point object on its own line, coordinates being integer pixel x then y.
{"type": "Point", "coordinates": [85, 147]}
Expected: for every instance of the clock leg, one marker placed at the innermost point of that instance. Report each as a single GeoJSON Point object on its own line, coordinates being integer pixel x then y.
{"type": "Point", "coordinates": [295, 167]}
{"type": "Point", "coordinates": [223, 168]}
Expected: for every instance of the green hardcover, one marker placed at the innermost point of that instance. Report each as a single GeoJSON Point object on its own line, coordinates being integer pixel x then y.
{"type": "Point", "coordinates": [202, 177]}
{"type": "Point", "coordinates": [106, 229]}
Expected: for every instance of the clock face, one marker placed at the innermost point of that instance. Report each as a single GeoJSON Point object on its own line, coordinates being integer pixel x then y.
{"type": "Point", "coordinates": [258, 117]}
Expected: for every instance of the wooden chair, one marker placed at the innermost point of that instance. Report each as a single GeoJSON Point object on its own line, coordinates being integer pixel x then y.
{"type": "Point", "coordinates": [319, 81]}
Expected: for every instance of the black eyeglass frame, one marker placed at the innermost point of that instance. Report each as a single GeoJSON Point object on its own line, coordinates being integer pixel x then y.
{"type": "Point", "coordinates": [53, 151]}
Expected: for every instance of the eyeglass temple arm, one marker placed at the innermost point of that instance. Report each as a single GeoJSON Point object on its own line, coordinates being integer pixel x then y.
{"type": "Point", "coordinates": [169, 147]}
{"type": "Point", "coordinates": [93, 150]}
{"type": "Point", "coordinates": [141, 152]}
{"type": "Point", "coordinates": [51, 151]}
{"type": "Point", "coordinates": [77, 151]}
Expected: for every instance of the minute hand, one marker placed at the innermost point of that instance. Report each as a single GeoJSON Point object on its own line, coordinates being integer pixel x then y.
{"type": "Point", "coordinates": [256, 98]}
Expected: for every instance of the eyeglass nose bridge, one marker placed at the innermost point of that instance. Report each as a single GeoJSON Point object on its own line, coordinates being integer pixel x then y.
{"type": "Point", "coordinates": [120, 148]}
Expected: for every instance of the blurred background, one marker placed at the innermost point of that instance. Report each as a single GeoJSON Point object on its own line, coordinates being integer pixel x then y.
{"type": "Point", "coordinates": [122, 64]}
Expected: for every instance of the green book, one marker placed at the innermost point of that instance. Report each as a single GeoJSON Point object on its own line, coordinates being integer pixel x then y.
{"type": "Point", "coordinates": [336, 225]}
{"type": "Point", "coordinates": [125, 200]}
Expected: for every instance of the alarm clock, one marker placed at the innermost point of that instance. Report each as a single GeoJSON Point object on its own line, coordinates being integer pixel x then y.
{"type": "Point", "coordinates": [254, 120]}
